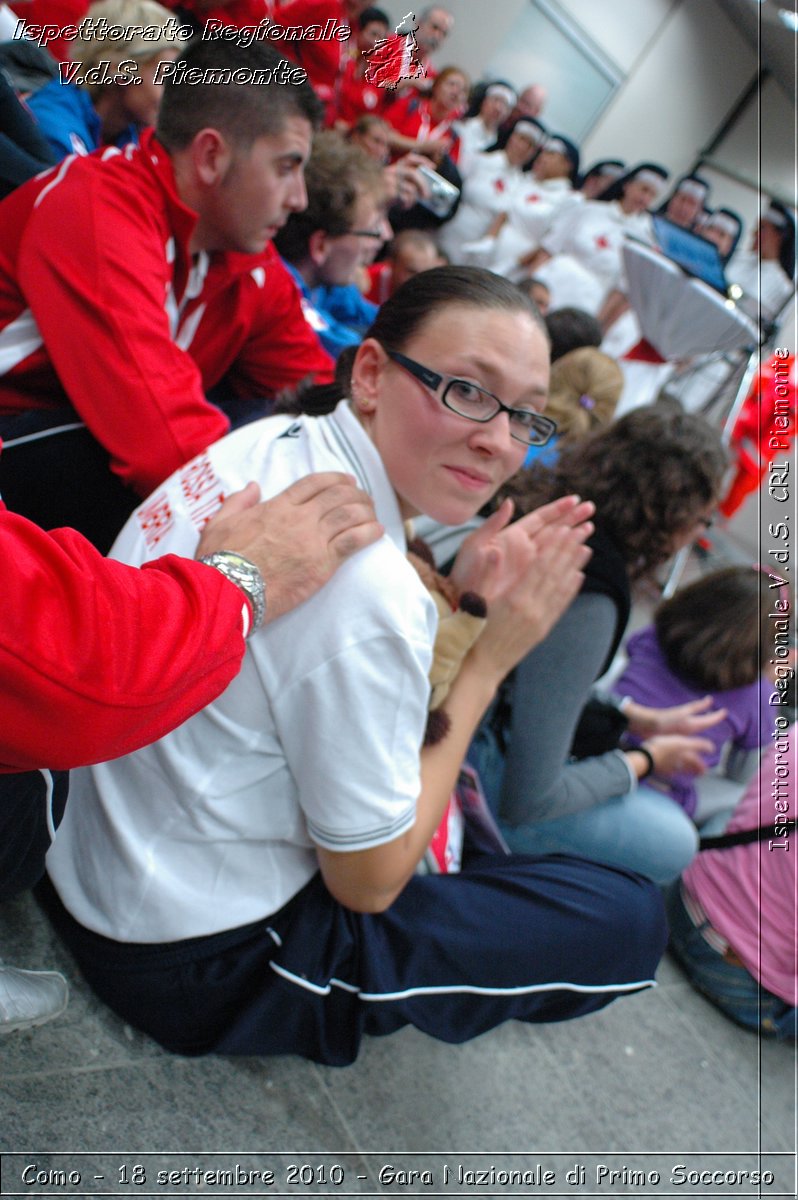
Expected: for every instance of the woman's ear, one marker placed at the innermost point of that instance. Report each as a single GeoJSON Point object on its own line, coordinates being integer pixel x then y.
{"type": "Point", "coordinates": [367, 371]}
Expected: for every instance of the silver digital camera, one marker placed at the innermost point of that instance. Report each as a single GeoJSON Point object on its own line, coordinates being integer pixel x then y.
{"type": "Point", "coordinates": [442, 194]}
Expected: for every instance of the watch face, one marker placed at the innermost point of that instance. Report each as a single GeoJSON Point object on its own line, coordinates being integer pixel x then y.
{"type": "Point", "coordinates": [246, 576]}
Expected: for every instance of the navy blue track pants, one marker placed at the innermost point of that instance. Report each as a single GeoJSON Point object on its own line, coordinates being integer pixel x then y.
{"type": "Point", "coordinates": [511, 937]}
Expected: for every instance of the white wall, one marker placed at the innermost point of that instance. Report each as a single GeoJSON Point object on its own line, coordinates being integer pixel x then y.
{"type": "Point", "coordinates": [761, 146]}
{"type": "Point", "coordinates": [678, 92]}
{"type": "Point", "coordinates": [621, 28]}
{"type": "Point", "coordinates": [479, 27]}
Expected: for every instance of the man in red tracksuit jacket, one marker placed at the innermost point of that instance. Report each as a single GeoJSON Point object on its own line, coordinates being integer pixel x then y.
{"type": "Point", "coordinates": [98, 658]}
{"type": "Point", "coordinates": [133, 282]}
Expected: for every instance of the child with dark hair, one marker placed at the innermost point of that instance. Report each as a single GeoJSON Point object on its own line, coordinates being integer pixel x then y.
{"type": "Point", "coordinates": [711, 637]}
{"type": "Point", "coordinates": [732, 915]}
{"type": "Point", "coordinates": [537, 291]}
{"type": "Point", "coordinates": [571, 329]}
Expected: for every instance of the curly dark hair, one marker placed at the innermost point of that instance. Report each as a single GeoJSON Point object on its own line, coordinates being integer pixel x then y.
{"type": "Point", "coordinates": [652, 475]}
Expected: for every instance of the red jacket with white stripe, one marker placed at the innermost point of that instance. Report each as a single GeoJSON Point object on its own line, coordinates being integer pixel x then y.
{"type": "Point", "coordinates": [98, 658]}
{"type": "Point", "coordinates": [102, 307]}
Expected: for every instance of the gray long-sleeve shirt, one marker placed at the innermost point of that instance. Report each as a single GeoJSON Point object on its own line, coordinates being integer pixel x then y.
{"type": "Point", "coordinates": [551, 686]}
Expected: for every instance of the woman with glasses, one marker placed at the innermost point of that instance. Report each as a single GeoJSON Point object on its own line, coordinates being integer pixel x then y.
{"type": "Point", "coordinates": [558, 780]}
{"type": "Point", "coordinates": [246, 885]}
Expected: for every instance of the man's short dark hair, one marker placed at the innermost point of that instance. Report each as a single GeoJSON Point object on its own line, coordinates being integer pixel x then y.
{"type": "Point", "coordinates": [373, 14]}
{"type": "Point", "coordinates": [253, 104]}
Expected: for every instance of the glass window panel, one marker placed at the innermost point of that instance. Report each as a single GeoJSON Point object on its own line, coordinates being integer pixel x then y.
{"type": "Point", "coordinates": [544, 46]}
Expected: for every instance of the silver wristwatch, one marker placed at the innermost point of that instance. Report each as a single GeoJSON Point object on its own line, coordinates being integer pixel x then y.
{"type": "Point", "coordinates": [246, 576]}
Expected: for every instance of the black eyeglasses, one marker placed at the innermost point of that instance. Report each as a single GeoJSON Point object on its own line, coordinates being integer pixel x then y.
{"type": "Point", "coordinates": [377, 234]}
{"type": "Point", "coordinates": [475, 404]}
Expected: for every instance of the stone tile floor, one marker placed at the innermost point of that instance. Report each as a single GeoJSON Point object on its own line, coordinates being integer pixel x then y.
{"type": "Point", "coordinates": [654, 1081]}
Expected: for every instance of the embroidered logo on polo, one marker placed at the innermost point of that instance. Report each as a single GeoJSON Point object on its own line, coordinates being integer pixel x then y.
{"type": "Point", "coordinates": [293, 431]}
{"type": "Point", "coordinates": [203, 493]}
{"type": "Point", "coordinates": [155, 519]}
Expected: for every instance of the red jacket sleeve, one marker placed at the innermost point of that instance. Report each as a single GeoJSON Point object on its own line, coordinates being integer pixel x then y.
{"type": "Point", "coordinates": [281, 349]}
{"type": "Point", "coordinates": [102, 287]}
{"type": "Point", "coordinates": [98, 658]}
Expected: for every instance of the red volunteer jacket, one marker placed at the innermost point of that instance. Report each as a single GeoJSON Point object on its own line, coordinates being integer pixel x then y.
{"type": "Point", "coordinates": [102, 307]}
{"type": "Point", "coordinates": [355, 96]}
{"type": "Point", "coordinates": [323, 57]}
{"type": "Point", "coordinates": [410, 116]}
{"type": "Point", "coordinates": [98, 658]}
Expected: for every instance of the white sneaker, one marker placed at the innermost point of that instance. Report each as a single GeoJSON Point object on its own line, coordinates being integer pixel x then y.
{"type": "Point", "coordinates": [29, 998]}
